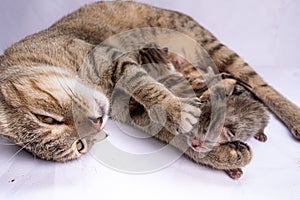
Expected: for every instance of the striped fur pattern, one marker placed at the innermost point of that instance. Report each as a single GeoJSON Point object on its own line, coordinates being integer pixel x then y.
{"type": "Point", "coordinates": [57, 112]}
{"type": "Point", "coordinates": [245, 117]}
{"type": "Point", "coordinates": [123, 72]}
{"type": "Point", "coordinates": [66, 45]}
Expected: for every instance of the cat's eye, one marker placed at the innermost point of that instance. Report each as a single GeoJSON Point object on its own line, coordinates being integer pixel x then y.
{"type": "Point", "coordinates": [47, 119]}
{"type": "Point", "coordinates": [80, 146]}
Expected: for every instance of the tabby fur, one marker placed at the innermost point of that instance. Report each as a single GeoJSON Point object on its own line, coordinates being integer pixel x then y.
{"type": "Point", "coordinates": [65, 46]}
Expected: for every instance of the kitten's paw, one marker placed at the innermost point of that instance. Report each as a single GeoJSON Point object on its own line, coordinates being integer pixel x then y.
{"type": "Point", "coordinates": [231, 155]}
{"type": "Point", "coordinates": [261, 136]}
{"type": "Point", "coordinates": [234, 173]}
{"type": "Point", "coordinates": [190, 113]}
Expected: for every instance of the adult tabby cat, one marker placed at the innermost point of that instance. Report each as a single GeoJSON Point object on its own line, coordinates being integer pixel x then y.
{"type": "Point", "coordinates": [36, 107]}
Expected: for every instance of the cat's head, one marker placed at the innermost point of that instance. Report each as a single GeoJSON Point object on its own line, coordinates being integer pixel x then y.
{"type": "Point", "coordinates": [51, 113]}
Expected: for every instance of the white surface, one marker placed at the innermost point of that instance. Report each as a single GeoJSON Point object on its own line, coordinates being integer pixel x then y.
{"type": "Point", "coordinates": [266, 34]}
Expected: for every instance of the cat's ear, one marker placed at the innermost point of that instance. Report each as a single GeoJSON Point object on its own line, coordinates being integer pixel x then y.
{"type": "Point", "coordinates": [11, 94]}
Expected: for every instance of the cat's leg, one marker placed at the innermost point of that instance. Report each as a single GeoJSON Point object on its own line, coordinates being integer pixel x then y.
{"type": "Point", "coordinates": [163, 107]}
{"type": "Point", "coordinates": [116, 71]}
{"type": "Point", "coordinates": [160, 103]}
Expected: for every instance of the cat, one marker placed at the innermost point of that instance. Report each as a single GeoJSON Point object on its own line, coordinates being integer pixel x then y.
{"type": "Point", "coordinates": [64, 47]}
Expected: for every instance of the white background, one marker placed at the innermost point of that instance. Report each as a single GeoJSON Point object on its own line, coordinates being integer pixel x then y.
{"type": "Point", "coordinates": [266, 33]}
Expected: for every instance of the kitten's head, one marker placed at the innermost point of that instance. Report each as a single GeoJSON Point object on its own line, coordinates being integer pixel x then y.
{"type": "Point", "coordinates": [50, 112]}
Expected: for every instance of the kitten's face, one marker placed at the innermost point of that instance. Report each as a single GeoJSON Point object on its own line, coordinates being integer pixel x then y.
{"type": "Point", "coordinates": [50, 113]}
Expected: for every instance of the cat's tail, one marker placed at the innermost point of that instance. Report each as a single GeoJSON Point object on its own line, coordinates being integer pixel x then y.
{"type": "Point", "coordinates": [229, 62]}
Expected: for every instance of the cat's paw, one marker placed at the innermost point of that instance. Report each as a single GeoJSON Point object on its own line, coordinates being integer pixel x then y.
{"type": "Point", "coordinates": [238, 152]}
{"type": "Point", "coordinates": [234, 173]}
{"type": "Point", "coordinates": [231, 155]}
{"type": "Point", "coordinates": [261, 136]}
{"type": "Point", "coordinates": [178, 115]}
{"type": "Point", "coordinates": [190, 113]}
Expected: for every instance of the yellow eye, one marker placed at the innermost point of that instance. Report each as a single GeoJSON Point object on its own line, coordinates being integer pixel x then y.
{"type": "Point", "coordinates": [47, 119]}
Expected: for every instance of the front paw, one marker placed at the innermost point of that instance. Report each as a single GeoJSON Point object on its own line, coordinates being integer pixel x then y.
{"type": "Point", "coordinates": [189, 114]}
{"type": "Point", "coordinates": [231, 155]}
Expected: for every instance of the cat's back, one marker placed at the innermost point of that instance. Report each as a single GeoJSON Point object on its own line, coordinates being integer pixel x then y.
{"type": "Point", "coordinates": [97, 21]}
{"type": "Point", "coordinates": [68, 41]}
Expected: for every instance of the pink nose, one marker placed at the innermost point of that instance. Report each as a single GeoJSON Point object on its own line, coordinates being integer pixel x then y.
{"type": "Point", "coordinates": [97, 126]}
{"type": "Point", "coordinates": [97, 122]}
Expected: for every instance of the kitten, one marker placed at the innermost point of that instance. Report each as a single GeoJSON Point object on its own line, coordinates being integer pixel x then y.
{"type": "Point", "coordinates": [245, 116]}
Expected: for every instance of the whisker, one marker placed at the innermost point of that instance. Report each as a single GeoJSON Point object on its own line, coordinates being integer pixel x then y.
{"type": "Point", "coordinates": [15, 154]}
{"type": "Point", "coordinates": [23, 147]}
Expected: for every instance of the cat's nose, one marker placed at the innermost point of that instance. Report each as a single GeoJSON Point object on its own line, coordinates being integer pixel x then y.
{"type": "Point", "coordinates": [96, 122]}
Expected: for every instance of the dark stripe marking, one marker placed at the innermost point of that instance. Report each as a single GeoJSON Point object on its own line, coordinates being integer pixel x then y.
{"type": "Point", "coordinates": [231, 59]}
{"type": "Point", "coordinates": [124, 64]}
{"type": "Point", "coordinates": [264, 85]}
{"type": "Point", "coordinates": [251, 73]}
{"type": "Point", "coordinates": [214, 49]}
{"type": "Point", "coordinates": [114, 69]}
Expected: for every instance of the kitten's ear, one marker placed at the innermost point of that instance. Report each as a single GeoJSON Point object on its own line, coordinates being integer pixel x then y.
{"type": "Point", "coordinates": [10, 94]}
